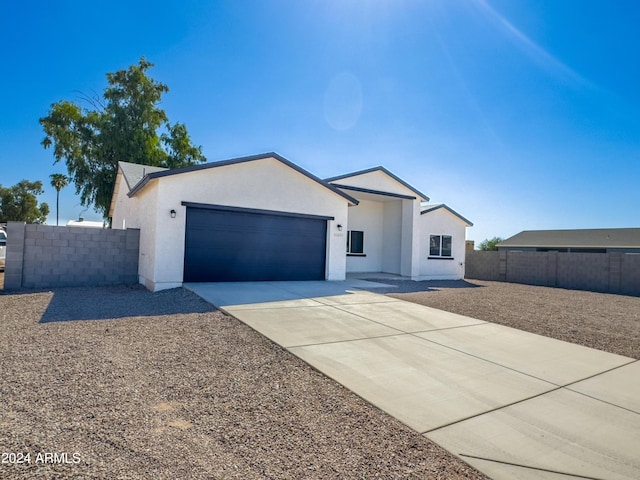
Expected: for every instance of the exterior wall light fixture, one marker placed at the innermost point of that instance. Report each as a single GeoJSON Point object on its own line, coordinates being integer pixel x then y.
{"type": "Point", "coordinates": [172, 213]}
{"type": "Point", "coordinates": [339, 227]}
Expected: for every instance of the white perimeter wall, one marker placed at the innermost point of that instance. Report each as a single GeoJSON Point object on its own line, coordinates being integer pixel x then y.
{"type": "Point", "coordinates": [262, 184]}
{"type": "Point", "coordinates": [441, 222]}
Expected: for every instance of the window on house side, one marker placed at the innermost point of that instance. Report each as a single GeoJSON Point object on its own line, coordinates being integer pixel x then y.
{"type": "Point", "coordinates": [440, 246]}
{"type": "Point", "coordinates": [434, 246]}
{"type": "Point", "coordinates": [446, 245]}
{"type": "Point", "coordinates": [355, 241]}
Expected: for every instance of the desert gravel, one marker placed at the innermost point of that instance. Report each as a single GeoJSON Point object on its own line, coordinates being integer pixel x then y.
{"type": "Point", "coordinates": [597, 320]}
{"type": "Point", "coordinates": [161, 386]}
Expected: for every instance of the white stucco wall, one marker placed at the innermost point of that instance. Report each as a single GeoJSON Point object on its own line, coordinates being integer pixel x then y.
{"type": "Point", "coordinates": [441, 222]}
{"type": "Point", "coordinates": [146, 201]}
{"type": "Point", "coordinates": [125, 209]}
{"type": "Point", "coordinates": [368, 217]}
{"type": "Point", "coordinates": [265, 184]}
{"type": "Point", "coordinates": [411, 241]}
{"type": "Point", "coordinates": [376, 180]}
{"type": "Point", "coordinates": [392, 237]}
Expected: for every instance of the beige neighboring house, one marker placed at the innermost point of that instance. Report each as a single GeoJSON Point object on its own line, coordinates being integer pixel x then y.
{"type": "Point", "coordinates": [264, 218]}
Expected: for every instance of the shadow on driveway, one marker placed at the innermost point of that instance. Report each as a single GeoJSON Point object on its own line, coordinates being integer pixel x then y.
{"type": "Point", "coordinates": [101, 303]}
{"type": "Point", "coordinates": [409, 286]}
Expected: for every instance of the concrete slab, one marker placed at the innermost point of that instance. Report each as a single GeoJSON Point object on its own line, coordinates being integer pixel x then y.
{"type": "Point", "coordinates": [223, 294]}
{"type": "Point", "coordinates": [298, 302]}
{"type": "Point", "coordinates": [296, 326]}
{"type": "Point", "coordinates": [409, 317]}
{"type": "Point", "coordinates": [542, 357]}
{"type": "Point", "coordinates": [355, 298]}
{"type": "Point", "coordinates": [504, 471]}
{"type": "Point", "coordinates": [620, 387]}
{"type": "Point", "coordinates": [422, 384]}
{"type": "Point", "coordinates": [488, 393]}
{"type": "Point", "coordinates": [561, 431]}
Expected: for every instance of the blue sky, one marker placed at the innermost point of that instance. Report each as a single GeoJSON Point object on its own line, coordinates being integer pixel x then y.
{"type": "Point", "coordinates": [518, 114]}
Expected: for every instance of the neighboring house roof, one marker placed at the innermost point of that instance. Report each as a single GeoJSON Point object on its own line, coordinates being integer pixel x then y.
{"type": "Point", "coordinates": [385, 171]}
{"type": "Point", "coordinates": [177, 171]}
{"type": "Point", "coordinates": [134, 172]}
{"type": "Point", "coordinates": [433, 208]}
{"type": "Point", "coordinates": [589, 238]}
{"type": "Point", "coordinates": [85, 223]}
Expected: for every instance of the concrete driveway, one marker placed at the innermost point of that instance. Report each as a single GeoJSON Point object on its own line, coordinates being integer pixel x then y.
{"type": "Point", "coordinates": [515, 405]}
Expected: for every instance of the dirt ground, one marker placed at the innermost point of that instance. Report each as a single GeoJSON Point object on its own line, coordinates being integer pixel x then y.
{"type": "Point", "coordinates": [122, 383]}
{"type": "Point", "coordinates": [118, 382]}
{"type": "Point", "coordinates": [597, 320]}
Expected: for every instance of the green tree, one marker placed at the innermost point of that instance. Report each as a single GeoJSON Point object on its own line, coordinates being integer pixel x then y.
{"type": "Point", "coordinates": [19, 203]}
{"type": "Point", "coordinates": [127, 124]}
{"type": "Point", "coordinates": [58, 181]}
{"type": "Point", "coordinates": [490, 244]}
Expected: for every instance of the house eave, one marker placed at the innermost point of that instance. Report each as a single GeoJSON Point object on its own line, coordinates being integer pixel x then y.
{"type": "Point", "coordinates": [421, 195]}
{"type": "Point", "coordinates": [448, 209]}
{"type": "Point", "coordinates": [194, 168]}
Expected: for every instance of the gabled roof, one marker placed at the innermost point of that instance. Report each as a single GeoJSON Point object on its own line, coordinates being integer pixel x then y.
{"type": "Point", "coordinates": [134, 172]}
{"type": "Point", "coordinates": [433, 208]}
{"type": "Point", "coordinates": [386, 172]}
{"type": "Point", "coordinates": [194, 168]}
{"type": "Point", "coordinates": [593, 238]}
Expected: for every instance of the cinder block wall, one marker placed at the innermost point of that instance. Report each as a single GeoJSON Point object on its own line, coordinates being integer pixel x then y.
{"type": "Point", "coordinates": [630, 275]}
{"type": "Point", "coordinates": [44, 256]}
{"type": "Point", "coordinates": [482, 265]}
{"type": "Point", "coordinates": [522, 267]}
{"type": "Point", "coordinates": [585, 271]}
{"type": "Point", "coordinates": [597, 272]}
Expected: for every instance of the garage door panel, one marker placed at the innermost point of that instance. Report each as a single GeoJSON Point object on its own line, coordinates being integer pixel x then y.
{"type": "Point", "coordinates": [238, 246]}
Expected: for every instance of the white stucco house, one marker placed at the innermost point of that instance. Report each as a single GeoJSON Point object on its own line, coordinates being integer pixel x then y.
{"type": "Point", "coordinates": [263, 218]}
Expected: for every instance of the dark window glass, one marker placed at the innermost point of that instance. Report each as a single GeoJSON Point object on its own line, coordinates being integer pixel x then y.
{"type": "Point", "coordinates": [355, 241]}
{"type": "Point", "coordinates": [434, 246]}
{"type": "Point", "coordinates": [446, 246]}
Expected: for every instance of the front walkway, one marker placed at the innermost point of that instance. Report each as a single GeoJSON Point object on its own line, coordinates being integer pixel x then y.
{"type": "Point", "coordinates": [510, 403]}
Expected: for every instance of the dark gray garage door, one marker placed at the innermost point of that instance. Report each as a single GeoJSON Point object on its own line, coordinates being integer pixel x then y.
{"type": "Point", "coordinates": [236, 245]}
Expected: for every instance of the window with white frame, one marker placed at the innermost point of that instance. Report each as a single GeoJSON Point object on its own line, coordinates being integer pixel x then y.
{"type": "Point", "coordinates": [355, 242]}
{"type": "Point", "coordinates": [440, 246]}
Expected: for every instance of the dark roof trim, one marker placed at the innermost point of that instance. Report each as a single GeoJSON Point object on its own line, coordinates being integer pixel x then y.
{"type": "Point", "coordinates": [432, 208]}
{"type": "Point", "coordinates": [384, 170]}
{"type": "Point", "coordinates": [233, 161]}
{"type": "Point", "coordinates": [258, 211]}
{"type": "Point", "coordinates": [376, 192]}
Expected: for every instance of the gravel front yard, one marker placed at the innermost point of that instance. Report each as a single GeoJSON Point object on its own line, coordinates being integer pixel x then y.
{"type": "Point", "coordinates": [133, 385]}
{"type": "Point", "coordinates": [597, 320]}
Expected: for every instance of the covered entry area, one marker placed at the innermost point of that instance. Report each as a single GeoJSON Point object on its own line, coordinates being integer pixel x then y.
{"type": "Point", "coordinates": [231, 244]}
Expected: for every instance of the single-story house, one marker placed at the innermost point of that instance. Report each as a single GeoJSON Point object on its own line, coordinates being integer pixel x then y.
{"type": "Point", "coordinates": [601, 240]}
{"type": "Point", "coordinates": [264, 218]}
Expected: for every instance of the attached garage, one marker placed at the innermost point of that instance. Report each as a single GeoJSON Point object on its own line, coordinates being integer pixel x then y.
{"type": "Point", "coordinates": [230, 244]}
{"type": "Point", "coordinates": [257, 218]}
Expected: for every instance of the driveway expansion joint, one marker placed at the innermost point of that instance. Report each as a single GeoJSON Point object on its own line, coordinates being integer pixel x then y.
{"type": "Point", "coordinates": [400, 334]}
{"type": "Point", "coordinates": [501, 407]}
{"type": "Point", "coordinates": [539, 469]}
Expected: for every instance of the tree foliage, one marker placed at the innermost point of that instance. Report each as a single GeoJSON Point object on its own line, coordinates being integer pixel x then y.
{"type": "Point", "coordinates": [58, 181]}
{"type": "Point", "coordinates": [19, 203]}
{"type": "Point", "coordinates": [126, 124]}
{"type": "Point", "coordinates": [490, 244]}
